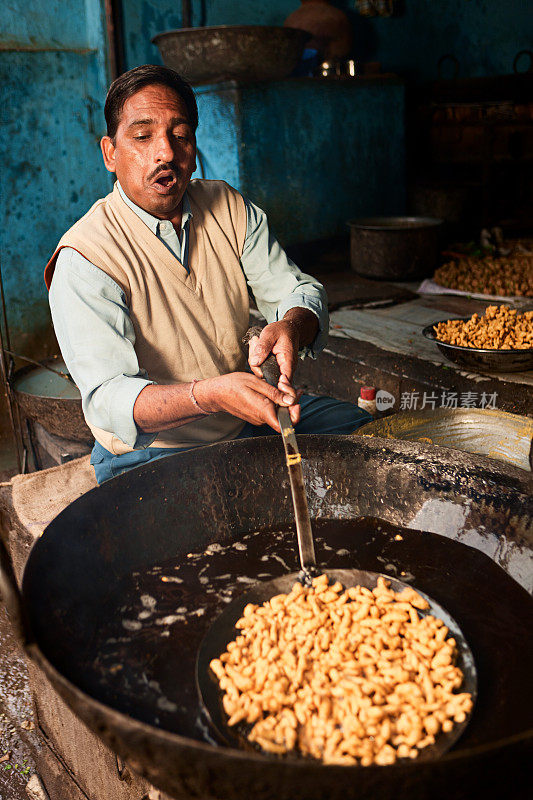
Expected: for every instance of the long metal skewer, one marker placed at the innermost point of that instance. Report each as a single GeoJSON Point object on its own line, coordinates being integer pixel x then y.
{"type": "Point", "coordinates": [306, 546]}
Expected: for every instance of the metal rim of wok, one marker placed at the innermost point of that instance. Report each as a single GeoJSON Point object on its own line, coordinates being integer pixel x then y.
{"type": "Point", "coordinates": [222, 631]}
{"type": "Point", "coordinates": [148, 748]}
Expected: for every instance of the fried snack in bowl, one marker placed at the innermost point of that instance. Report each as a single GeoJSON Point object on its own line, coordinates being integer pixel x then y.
{"type": "Point", "coordinates": [499, 328]}
{"type": "Point", "coordinates": [353, 677]}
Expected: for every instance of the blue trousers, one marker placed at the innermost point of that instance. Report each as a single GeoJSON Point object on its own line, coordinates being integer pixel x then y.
{"type": "Point", "coordinates": [318, 415]}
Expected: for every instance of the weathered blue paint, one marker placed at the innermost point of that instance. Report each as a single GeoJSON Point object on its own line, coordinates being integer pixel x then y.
{"type": "Point", "coordinates": [142, 19]}
{"type": "Point", "coordinates": [51, 115]}
{"type": "Point", "coordinates": [218, 137]}
{"type": "Point", "coordinates": [311, 153]}
{"type": "Point", "coordinates": [248, 12]}
{"type": "Point", "coordinates": [51, 24]}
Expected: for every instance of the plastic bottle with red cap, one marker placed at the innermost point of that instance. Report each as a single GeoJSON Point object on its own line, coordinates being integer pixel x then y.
{"type": "Point", "coordinates": [367, 399]}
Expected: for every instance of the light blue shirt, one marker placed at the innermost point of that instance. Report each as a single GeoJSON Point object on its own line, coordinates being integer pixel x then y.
{"type": "Point", "coordinates": [95, 333]}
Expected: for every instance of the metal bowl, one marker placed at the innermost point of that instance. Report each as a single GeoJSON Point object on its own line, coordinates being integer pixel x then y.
{"type": "Point", "coordinates": [479, 359]}
{"type": "Point", "coordinates": [232, 52]}
{"type": "Point", "coordinates": [395, 248]}
{"type": "Point", "coordinates": [51, 400]}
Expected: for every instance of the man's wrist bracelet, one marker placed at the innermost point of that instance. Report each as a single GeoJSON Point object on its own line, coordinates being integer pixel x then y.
{"type": "Point", "coordinates": [193, 398]}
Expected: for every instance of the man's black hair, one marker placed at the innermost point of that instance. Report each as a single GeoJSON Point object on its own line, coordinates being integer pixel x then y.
{"type": "Point", "coordinates": [136, 79]}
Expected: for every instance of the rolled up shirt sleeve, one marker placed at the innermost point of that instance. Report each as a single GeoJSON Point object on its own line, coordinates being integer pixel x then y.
{"type": "Point", "coordinates": [96, 337]}
{"type": "Point", "coordinates": [276, 282]}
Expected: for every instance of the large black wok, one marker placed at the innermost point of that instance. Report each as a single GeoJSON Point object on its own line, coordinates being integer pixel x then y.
{"type": "Point", "coordinates": [122, 585]}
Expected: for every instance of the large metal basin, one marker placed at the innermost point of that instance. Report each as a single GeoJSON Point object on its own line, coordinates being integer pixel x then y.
{"type": "Point", "coordinates": [232, 52]}
{"type": "Point", "coordinates": [180, 505]}
{"type": "Point", "coordinates": [51, 400]}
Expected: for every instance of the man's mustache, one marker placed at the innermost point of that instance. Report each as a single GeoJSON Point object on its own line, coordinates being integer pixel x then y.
{"type": "Point", "coordinates": [164, 168]}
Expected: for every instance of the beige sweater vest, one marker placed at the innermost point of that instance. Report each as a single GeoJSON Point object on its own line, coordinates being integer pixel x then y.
{"type": "Point", "coordinates": [186, 325]}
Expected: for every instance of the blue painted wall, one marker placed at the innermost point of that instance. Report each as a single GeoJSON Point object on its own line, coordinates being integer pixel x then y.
{"type": "Point", "coordinates": [51, 24]}
{"type": "Point", "coordinates": [312, 153]}
{"type": "Point", "coordinates": [53, 74]}
{"type": "Point", "coordinates": [317, 153]}
{"type": "Point", "coordinates": [219, 133]}
{"type": "Point", "coordinates": [142, 19]}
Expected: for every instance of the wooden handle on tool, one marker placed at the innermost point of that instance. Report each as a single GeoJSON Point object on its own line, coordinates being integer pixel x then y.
{"type": "Point", "coordinates": [269, 367]}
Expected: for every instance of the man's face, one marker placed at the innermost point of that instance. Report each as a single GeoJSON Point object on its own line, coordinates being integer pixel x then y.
{"type": "Point", "coordinates": [154, 150]}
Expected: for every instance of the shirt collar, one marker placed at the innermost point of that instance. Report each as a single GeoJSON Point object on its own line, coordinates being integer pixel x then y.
{"type": "Point", "coordinates": [151, 221]}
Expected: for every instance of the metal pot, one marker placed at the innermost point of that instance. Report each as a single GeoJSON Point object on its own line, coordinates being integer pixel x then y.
{"type": "Point", "coordinates": [395, 248]}
{"type": "Point", "coordinates": [51, 400]}
{"type": "Point", "coordinates": [232, 52]}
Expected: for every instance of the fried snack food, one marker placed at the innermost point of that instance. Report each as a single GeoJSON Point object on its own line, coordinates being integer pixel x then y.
{"type": "Point", "coordinates": [507, 276]}
{"type": "Point", "coordinates": [500, 328]}
{"type": "Point", "coordinates": [347, 676]}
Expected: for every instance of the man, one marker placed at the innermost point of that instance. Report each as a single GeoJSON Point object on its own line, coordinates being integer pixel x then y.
{"type": "Point", "coordinates": [149, 294]}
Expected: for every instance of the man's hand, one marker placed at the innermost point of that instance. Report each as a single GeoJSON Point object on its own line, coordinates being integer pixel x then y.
{"type": "Point", "coordinates": [247, 397]}
{"type": "Point", "coordinates": [282, 340]}
{"type": "Point", "coordinates": [298, 327]}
